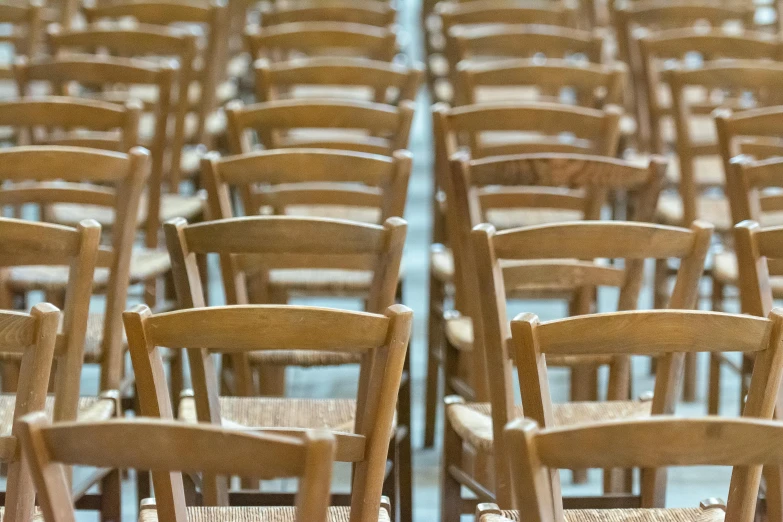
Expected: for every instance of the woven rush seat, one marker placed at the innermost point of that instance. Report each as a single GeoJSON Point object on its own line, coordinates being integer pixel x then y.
{"type": "Point", "coordinates": [171, 206]}
{"type": "Point", "coordinates": [254, 514]}
{"type": "Point", "coordinates": [711, 208]}
{"type": "Point", "coordinates": [725, 271]}
{"type": "Point", "coordinates": [331, 282]}
{"type": "Point", "coordinates": [512, 218]}
{"type": "Point", "coordinates": [362, 214]}
{"type": "Point", "coordinates": [145, 264]}
{"type": "Point", "coordinates": [92, 408]}
{"type": "Point", "coordinates": [334, 414]}
{"type": "Point", "coordinates": [624, 515]}
{"type": "Point", "coordinates": [303, 358]}
{"type": "Point", "coordinates": [473, 421]}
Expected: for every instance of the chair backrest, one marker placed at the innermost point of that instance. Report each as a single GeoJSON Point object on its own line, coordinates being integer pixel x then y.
{"type": "Point", "coordinates": [755, 134]}
{"type": "Point", "coordinates": [644, 443]}
{"type": "Point", "coordinates": [380, 339]}
{"type": "Point", "coordinates": [103, 180]}
{"type": "Point", "coordinates": [168, 448]}
{"type": "Point", "coordinates": [658, 49]}
{"type": "Point", "coordinates": [208, 22]}
{"type": "Point", "coordinates": [536, 184]}
{"type": "Point", "coordinates": [759, 258]}
{"type": "Point", "coordinates": [23, 34]}
{"type": "Point", "coordinates": [520, 248]}
{"type": "Point", "coordinates": [170, 51]}
{"type": "Point", "coordinates": [370, 127]}
{"type": "Point", "coordinates": [29, 244]}
{"type": "Point", "coordinates": [318, 181]}
{"type": "Point", "coordinates": [32, 336]}
{"type": "Point", "coordinates": [337, 77]}
{"type": "Point", "coordinates": [322, 39]}
{"type": "Point", "coordinates": [522, 41]}
{"type": "Point", "coordinates": [371, 12]}
{"type": "Point", "coordinates": [499, 12]}
{"type": "Point", "coordinates": [103, 73]}
{"type": "Point", "coordinates": [734, 84]}
{"type": "Point", "coordinates": [530, 79]}
{"type": "Point", "coordinates": [79, 122]}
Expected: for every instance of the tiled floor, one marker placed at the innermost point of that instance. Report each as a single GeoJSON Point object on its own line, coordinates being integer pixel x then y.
{"type": "Point", "coordinates": [687, 487]}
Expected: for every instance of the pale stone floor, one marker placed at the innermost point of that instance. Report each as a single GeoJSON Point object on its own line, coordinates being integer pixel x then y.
{"type": "Point", "coordinates": [687, 486]}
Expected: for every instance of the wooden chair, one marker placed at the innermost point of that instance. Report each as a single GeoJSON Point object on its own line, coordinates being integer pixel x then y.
{"type": "Point", "coordinates": [283, 41]}
{"type": "Point", "coordinates": [374, 12]}
{"type": "Point", "coordinates": [530, 79]}
{"type": "Point", "coordinates": [496, 129]}
{"type": "Point", "coordinates": [33, 337]}
{"type": "Point", "coordinates": [264, 271]}
{"type": "Point", "coordinates": [667, 334]}
{"type": "Point", "coordinates": [121, 179]}
{"type": "Point", "coordinates": [337, 77]}
{"type": "Point", "coordinates": [545, 188]}
{"type": "Point", "coordinates": [481, 424]}
{"type": "Point", "coordinates": [201, 78]}
{"type": "Point", "coordinates": [369, 127]}
{"type": "Point", "coordinates": [76, 251]}
{"type": "Point", "coordinates": [89, 71]}
{"type": "Point", "coordinates": [660, 47]}
{"type": "Point", "coordinates": [688, 442]}
{"type": "Point", "coordinates": [362, 428]}
{"type": "Point", "coordinates": [633, 18]}
{"type": "Point", "coordinates": [171, 447]}
{"type": "Point", "coordinates": [24, 37]}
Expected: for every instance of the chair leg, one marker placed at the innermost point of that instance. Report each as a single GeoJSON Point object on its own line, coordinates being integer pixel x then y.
{"type": "Point", "coordinates": [111, 496]}
{"type": "Point", "coordinates": [713, 401]}
{"type": "Point", "coordinates": [690, 377]}
{"type": "Point", "coordinates": [390, 488]}
{"type": "Point", "coordinates": [660, 285]}
{"type": "Point", "coordinates": [451, 489]}
{"type": "Point", "coordinates": [584, 384]}
{"type": "Point", "coordinates": [404, 465]}
{"type": "Point", "coordinates": [435, 347]}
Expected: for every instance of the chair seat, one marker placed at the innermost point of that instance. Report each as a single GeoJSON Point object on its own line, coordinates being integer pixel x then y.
{"type": "Point", "coordinates": [334, 414]}
{"type": "Point", "coordinates": [362, 214]}
{"type": "Point", "coordinates": [473, 421]}
{"type": "Point", "coordinates": [725, 271]}
{"type": "Point", "coordinates": [90, 408]}
{"type": "Point", "coordinates": [441, 263]}
{"type": "Point", "coordinates": [146, 264]}
{"type": "Point", "coordinates": [624, 515]}
{"type": "Point", "coordinates": [712, 208]}
{"type": "Point", "coordinates": [254, 514]}
{"type": "Point", "coordinates": [303, 358]}
{"type": "Point", "coordinates": [512, 218]}
{"type": "Point", "coordinates": [331, 282]}
{"type": "Point", "coordinates": [171, 206]}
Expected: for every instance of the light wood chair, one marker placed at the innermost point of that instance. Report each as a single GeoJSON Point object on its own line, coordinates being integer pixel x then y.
{"type": "Point", "coordinates": [33, 337]}
{"type": "Point", "coordinates": [377, 13]}
{"type": "Point", "coordinates": [752, 132]}
{"type": "Point", "coordinates": [76, 251]}
{"type": "Point", "coordinates": [362, 428]}
{"type": "Point", "coordinates": [44, 175]}
{"type": "Point", "coordinates": [660, 47]}
{"type": "Point", "coordinates": [633, 18]}
{"type": "Point", "coordinates": [158, 202]}
{"type": "Point", "coordinates": [262, 268]}
{"type": "Point", "coordinates": [24, 21]}
{"type": "Point", "coordinates": [172, 447]}
{"type": "Point", "coordinates": [492, 129]}
{"type": "Point", "coordinates": [481, 425]}
{"type": "Point", "coordinates": [283, 41]}
{"type": "Point", "coordinates": [337, 77]}
{"type": "Point", "coordinates": [370, 127]}
{"type": "Point", "coordinates": [202, 76]}
{"type": "Point", "coordinates": [667, 334]}
{"type": "Point", "coordinates": [544, 188]}
{"type": "Point", "coordinates": [688, 442]}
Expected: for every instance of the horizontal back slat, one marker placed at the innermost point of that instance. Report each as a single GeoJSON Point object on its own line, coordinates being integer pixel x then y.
{"type": "Point", "coordinates": [335, 71]}
{"type": "Point", "coordinates": [677, 442]}
{"type": "Point", "coordinates": [673, 43]}
{"type": "Point", "coordinates": [283, 235]}
{"type": "Point", "coordinates": [268, 327]}
{"type": "Point", "coordinates": [654, 332]}
{"type": "Point", "coordinates": [553, 73]}
{"type": "Point", "coordinates": [174, 446]}
{"type": "Point", "coordinates": [560, 274]}
{"type": "Point", "coordinates": [770, 242]}
{"type": "Point", "coordinates": [315, 35]}
{"type": "Point", "coordinates": [95, 70]}
{"type": "Point", "coordinates": [51, 162]}
{"type": "Point", "coordinates": [43, 193]}
{"type": "Point", "coordinates": [62, 111]}
{"type": "Point", "coordinates": [143, 39]}
{"type": "Point", "coordinates": [594, 239]}
{"type": "Point", "coordinates": [160, 13]}
{"type": "Point", "coordinates": [545, 118]}
{"type": "Point", "coordinates": [24, 242]}
{"type": "Point", "coordinates": [17, 331]}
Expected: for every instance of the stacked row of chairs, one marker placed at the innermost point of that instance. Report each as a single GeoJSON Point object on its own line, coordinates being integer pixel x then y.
{"type": "Point", "coordinates": [143, 139]}
{"type": "Point", "coordinates": [565, 136]}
